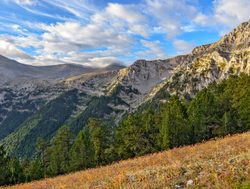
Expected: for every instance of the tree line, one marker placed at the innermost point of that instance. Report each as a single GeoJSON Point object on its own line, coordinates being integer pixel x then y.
{"type": "Point", "coordinates": [216, 111]}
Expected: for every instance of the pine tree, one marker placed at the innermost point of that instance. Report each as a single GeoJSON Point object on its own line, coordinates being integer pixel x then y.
{"type": "Point", "coordinates": [129, 137]}
{"type": "Point", "coordinates": [150, 131]}
{"type": "Point", "coordinates": [82, 151]}
{"type": "Point", "coordinates": [98, 137]}
{"type": "Point", "coordinates": [59, 151]}
{"type": "Point", "coordinates": [4, 168]}
{"type": "Point", "coordinates": [16, 171]}
{"type": "Point", "coordinates": [33, 170]}
{"type": "Point", "coordinates": [175, 130]}
{"type": "Point", "coordinates": [41, 146]}
{"type": "Point", "coordinates": [164, 132]}
{"type": "Point", "coordinates": [203, 115]}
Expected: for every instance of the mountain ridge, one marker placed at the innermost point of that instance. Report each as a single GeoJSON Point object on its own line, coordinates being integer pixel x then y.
{"type": "Point", "coordinates": [212, 63]}
{"type": "Point", "coordinates": [114, 94]}
{"type": "Point", "coordinates": [13, 71]}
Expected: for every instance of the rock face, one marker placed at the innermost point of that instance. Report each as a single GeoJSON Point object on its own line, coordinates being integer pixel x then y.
{"type": "Point", "coordinates": [214, 62]}
{"type": "Point", "coordinates": [131, 84]}
{"type": "Point", "coordinates": [30, 108]}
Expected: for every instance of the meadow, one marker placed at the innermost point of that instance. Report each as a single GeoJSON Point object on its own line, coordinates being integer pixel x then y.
{"type": "Point", "coordinates": [218, 163]}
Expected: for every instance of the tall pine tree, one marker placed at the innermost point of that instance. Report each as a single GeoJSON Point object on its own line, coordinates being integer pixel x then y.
{"type": "Point", "coordinates": [59, 151]}
{"type": "Point", "coordinates": [82, 151]}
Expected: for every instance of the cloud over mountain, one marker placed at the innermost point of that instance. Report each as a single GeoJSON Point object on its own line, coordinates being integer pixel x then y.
{"type": "Point", "coordinates": [81, 31]}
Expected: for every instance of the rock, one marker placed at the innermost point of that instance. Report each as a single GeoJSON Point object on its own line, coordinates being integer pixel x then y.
{"type": "Point", "coordinates": [190, 182]}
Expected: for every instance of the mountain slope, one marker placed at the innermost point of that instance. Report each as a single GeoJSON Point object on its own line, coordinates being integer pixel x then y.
{"type": "Point", "coordinates": [13, 71]}
{"type": "Point", "coordinates": [133, 82]}
{"type": "Point", "coordinates": [112, 94]}
{"type": "Point", "coordinates": [222, 163]}
{"type": "Point", "coordinates": [213, 63]}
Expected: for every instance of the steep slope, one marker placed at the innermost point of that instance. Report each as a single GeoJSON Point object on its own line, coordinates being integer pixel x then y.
{"type": "Point", "coordinates": [44, 123]}
{"type": "Point", "coordinates": [183, 75]}
{"type": "Point", "coordinates": [213, 63]}
{"type": "Point", "coordinates": [107, 94]}
{"type": "Point", "coordinates": [130, 84]}
{"type": "Point", "coordinates": [18, 102]}
{"type": "Point", "coordinates": [222, 163]}
{"type": "Point", "coordinates": [26, 110]}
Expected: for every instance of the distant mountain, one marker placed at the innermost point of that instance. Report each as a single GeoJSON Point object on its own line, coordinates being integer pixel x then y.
{"type": "Point", "coordinates": [13, 71]}
{"type": "Point", "coordinates": [51, 96]}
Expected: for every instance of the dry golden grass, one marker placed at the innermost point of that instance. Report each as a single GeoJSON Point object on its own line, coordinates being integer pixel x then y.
{"type": "Point", "coordinates": [222, 163]}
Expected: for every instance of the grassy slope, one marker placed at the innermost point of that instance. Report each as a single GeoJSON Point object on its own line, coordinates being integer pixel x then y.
{"type": "Point", "coordinates": [222, 163]}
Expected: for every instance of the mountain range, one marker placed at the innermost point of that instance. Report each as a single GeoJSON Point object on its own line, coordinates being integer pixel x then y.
{"type": "Point", "coordinates": [37, 101]}
{"type": "Point", "coordinates": [13, 71]}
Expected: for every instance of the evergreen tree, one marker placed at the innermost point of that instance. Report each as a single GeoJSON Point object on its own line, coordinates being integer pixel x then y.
{"type": "Point", "coordinates": [99, 138]}
{"type": "Point", "coordinates": [164, 131]}
{"type": "Point", "coordinates": [16, 171]}
{"type": "Point", "coordinates": [129, 137]}
{"type": "Point", "coordinates": [41, 146]}
{"type": "Point", "coordinates": [59, 151]}
{"type": "Point", "coordinates": [238, 88]}
{"type": "Point", "coordinates": [82, 151]}
{"type": "Point", "coordinates": [4, 168]}
{"type": "Point", "coordinates": [228, 124]}
{"type": "Point", "coordinates": [202, 113]}
{"type": "Point", "coordinates": [175, 130]}
{"type": "Point", "coordinates": [150, 131]}
{"type": "Point", "coordinates": [217, 110]}
{"type": "Point", "coordinates": [33, 170]}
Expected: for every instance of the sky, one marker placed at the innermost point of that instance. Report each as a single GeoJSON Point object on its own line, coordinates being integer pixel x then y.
{"type": "Point", "coordinates": [99, 32]}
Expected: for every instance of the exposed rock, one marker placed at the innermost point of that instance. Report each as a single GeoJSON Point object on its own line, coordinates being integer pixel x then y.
{"type": "Point", "coordinates": [213, 63]}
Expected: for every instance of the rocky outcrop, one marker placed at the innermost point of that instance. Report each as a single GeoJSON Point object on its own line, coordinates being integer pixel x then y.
{"type": "Point", "coordinates": [212, 63]}
{"type": "Point", "coordinates": [182, 75]}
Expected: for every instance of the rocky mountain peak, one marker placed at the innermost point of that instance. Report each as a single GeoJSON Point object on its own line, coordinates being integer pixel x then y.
{"type": "Point", "coordinates": [200, 49]}
{"type": "Point", "coordinates": [213, 62]}
{"type": "Point", "coordinates": [236, 40]}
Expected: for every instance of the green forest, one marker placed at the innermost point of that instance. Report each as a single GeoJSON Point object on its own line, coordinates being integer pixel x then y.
{"type": "Point", "coordinates": [216, 111]}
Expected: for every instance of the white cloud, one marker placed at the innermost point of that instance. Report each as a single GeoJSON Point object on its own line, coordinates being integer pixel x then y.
{"type": "Point", "coordinates": [95, 36]}
{"type": "Point", "coordinates": [226, 15]}
{"type": "Point", "coordinates": [128, 16]}
{"type": "Point", "coordinates": [11, 51]}
{"type": "Point", "coordinates": [72, 36]}
{"type": "Point", "coordinates": [154, 50]}
{"type": "Point", "coordinates": [232, 13]}
{"type": "Point", "coordinates": [103, 61]}
{"type": "Point", "coordinates": [25, 2]}
{"type": "Point", "coordinates": [22, 41]}
{"type": "Point", "coordinates": [202, 19]}
{"type": "Point", "coordinates": [79, 8]}
{"type": "Point", "coordinates": [171, 15]}
{"type": "Point", "coordinates": [183, 47]}
{"type": "Point", "coordinates": [68, 41]}
{"type": "Point", "coordinates": [75, 58]}
{"type": "Point", "coordinates": [125, 12]}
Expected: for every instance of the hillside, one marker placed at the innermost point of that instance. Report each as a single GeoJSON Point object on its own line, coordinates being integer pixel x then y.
{"type": "Point", "coordinates": [210, 63]}
{"type": "Point", "coordinates": [112, 93]}
{"type": "Point", "coordinates": [221, 163]}
{"type": "Point", "coordinates": [12, 71]}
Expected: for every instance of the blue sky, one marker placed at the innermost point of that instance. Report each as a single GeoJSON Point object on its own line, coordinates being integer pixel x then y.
{"type": "Point", "coordinates": [100, 32]}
